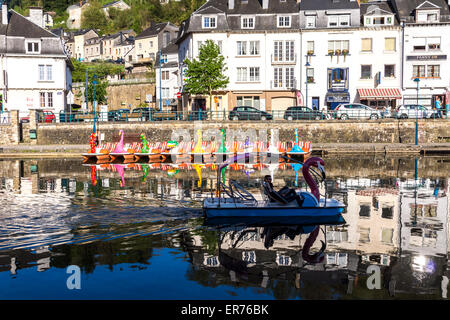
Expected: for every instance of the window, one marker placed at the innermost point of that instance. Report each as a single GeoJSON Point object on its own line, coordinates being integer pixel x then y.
{"type": "Point", "coordinates": [32, 47]}
{"type": "Point", "coordinates": [310, 75]}
{"type": "Point", "coordinates": [288, 81]}
{"type": "Point", "coordinates": [418, 71]}
{"type": "Point", "coordinates": [140, 45]}
{"type": "Point", "coordinates": [278, 51]}
{"type": "Point", "coordinates": [433, 71]}
{"type": "Point", "coordinates": [241, 74]}
{"type": "Point", "coordinates": [333, 21]}
{"type": "Point", "coordinates": [249, 101]}
{"type": "Point", "coordinates": [364, 234]}
{"type": "Point", "coordinates": [242, 48]}
{"type": "Point", "coordinates": [209, 22]}
{"type": "Point", "coordinates": [389, 44]}
{"type": "Point", "coordinates": [42, 99]}
{"type": "Point", "coordinates": [50, 99]}
{"type": "Point", "coordinates": [248, 22]}
{"type": "Point", "coordinates": [378, 20]}
{"type": "Point", "coordinates": [41, 72]}
{"type": "Point", "coordinates": [364, 210]}
{"type": "Point", "coordinates": [283, 51]}
{"type": "Point", "coordinates": [389, 71]}
{"type": "Point", "coordinates": [387, 212]}
{"type": "Point", "coordinates": [419, 44]}
{"type": "Point", "coordinates": [344, 20]}
{"type": "Point", "coordinates": [254, 74]}
{"type": "Point", "coordinates": [310, 47]}
{"type": "Point", "coordinates": [49, 73]}
{"type": "Point", "coordinates": [164, 93]}
{"type": "Point", "coordinates": [254, 48]}
{"type": "Point", "coordinates": [341, 45]}
{"type": "Point", "coordinates": [310, 21]}
{"type": "Point", "coordinates": [165, 75]}
{"type": "Point", "coordinates": [219, 44]}
{"type": "Point", "coordinates": [284, 21]}
{"type": "Point", "coordinates": [434, 43]}
{"type": "Point", "coordinates": [366, 71]}
{"type": "Point", "coordinates": [151, 44]}
{"type": "Point", "coordinates": [387, 235]}
{"type": "Point", "coordinates": [366, 45]}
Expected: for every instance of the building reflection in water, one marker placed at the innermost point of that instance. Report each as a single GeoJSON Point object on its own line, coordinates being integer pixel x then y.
{"type": "Point", "coordinates": [398, 223]}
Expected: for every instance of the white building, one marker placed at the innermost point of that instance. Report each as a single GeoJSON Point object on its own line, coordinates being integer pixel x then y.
{"type": "Point", "coordinates": [36, 71]}
{"type": "Point", "coordinates": [426, 44]}
{"type": "Point", "coordinates": [317, 53]}
{"type": "Point", "coordinates": [167, 85]}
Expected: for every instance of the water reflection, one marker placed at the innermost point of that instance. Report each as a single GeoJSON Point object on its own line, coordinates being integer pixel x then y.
{"type": "Point", "coordinates": [139, 220]}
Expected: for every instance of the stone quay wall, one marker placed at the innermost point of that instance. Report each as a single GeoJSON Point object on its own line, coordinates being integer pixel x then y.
{"type": "Point", "coordinates": [333, 131]}
{"type": "Point", "coordinates": [10, 132]}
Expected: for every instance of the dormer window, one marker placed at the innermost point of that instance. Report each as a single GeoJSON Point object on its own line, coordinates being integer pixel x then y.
{"type": "Point", "coordinates": [379, 21]}
{"type": "Point", "coordinates": [427, 16]}
{"type": "Point", "coordinates": [284, 21]}
{"type": "Point", "coordinates": [209, 22]}
{"type": "Point", "coordinates": [310, 21]}
{"type": "Point", "coordinates": [248, 22]}
{"type": "Point", "coordinates": [33, 47]}
{"type": "Point", "coordinates": [338, 21]}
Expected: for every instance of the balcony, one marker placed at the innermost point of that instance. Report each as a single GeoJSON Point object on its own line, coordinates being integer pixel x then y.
{"type": "Point", "coordinates": [283, 59]}
{"type": "Point", "coordinates": [283, 85]}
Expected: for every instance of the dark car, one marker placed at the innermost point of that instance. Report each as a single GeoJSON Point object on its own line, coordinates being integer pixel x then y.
{"type": "Point", "coordinates": [118, 115]}
{"type": "Point", "coordinates": [145, 113]}
{"type": "Point", "coordinates": [248, 113]}
{"type": "Point", "coordinates": [303, 113]}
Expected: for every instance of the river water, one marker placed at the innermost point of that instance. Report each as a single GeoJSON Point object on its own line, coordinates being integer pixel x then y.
{"type": "Point", "coordinates": [137, 232]}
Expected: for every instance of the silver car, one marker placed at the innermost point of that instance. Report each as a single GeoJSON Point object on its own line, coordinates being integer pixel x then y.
{"type": "Point", "coordinates": [412, 111]}
{"type": "Point", "coordinates": [356, 111]}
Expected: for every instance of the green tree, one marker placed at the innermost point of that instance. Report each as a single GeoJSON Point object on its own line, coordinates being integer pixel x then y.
{"type": "Point", "coordinates": [205, 75]}
{"type": "Point", "coordinates": [94, 17]}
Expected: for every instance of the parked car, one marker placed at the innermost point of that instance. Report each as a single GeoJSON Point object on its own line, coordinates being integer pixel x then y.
{"type": "Point", "coordinates": [248, 113]}
{"type": "Point", "coordinates": [145, 113]}
{"type": "Point", "coordinates": [356, 111]}
{"type": "Point", "coordinates": [24, 120]}
{"type": "Point", "coordinates": [47, 116]}
{"type": "Point", "coordinates": [305, 113]}
{"type": "Point", "coordinates": [69, 116]}
{"type": "Point", "coordinates": [406, 111]}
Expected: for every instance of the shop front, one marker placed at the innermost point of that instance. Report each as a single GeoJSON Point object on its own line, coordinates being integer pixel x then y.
{"type": "Point", "coordinates": [380, 98]}
{"type": "Point", "coordinates": [335, 98]}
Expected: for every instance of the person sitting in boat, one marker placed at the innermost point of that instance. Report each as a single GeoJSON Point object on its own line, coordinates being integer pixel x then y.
{"type": "Point", "coordinates": [284, 195]}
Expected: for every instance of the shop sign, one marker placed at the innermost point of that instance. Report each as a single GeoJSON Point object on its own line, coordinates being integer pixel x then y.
{"type": "Point", "coordinates": [426, 58]}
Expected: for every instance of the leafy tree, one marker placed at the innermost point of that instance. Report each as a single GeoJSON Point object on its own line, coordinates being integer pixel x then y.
{"type": "Point", "coordinates": [206, 74]}
{"type": "Point", "coordinates": [94, 17]}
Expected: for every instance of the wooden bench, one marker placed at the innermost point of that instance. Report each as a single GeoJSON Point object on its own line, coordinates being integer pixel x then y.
{"type": "Point", "coordinates": [165, 116]}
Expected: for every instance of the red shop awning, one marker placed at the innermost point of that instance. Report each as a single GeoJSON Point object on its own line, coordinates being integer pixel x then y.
{"type": "Point", "coordinates": [390, 93]}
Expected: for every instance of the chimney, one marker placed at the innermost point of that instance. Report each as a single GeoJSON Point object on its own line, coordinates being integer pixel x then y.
{"type": "Point", "coordinates": [37, 16]}
{"type": "Point", "coordinates": [4, 13]}
{"type": "Point", "coordinates": [231, 4]}
{"type": "Point", "coordinates": [265, 4]}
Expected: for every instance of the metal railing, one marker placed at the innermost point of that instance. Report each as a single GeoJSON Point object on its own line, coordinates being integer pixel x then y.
{"type": "Point", "coordinates": [285, 115]}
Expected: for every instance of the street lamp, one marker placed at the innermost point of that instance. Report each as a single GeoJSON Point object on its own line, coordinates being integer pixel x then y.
{"type": "Point", "coordinates": [307, 65]}
{"type": "Point", "coordinates": [417, 80]}
{"type": "Point", "coordinates": [94, 82]}
{"type": "Point", "coordinates": [160, 77]}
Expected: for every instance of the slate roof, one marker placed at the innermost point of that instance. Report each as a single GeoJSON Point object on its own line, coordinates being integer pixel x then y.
{"type": "Point", "coordinates": [328, 4]}
{"type": "Point", "coordinates": [406, 8]}
{"type": "Point", "coordinates": [19, 26]}
{"type": "Point", "coordinates": [172, 47]}
{"type": "Point", "coordinates": [154, 29]}
{"type": "Point", "coordinates": [253, 6]}
{"type": "Point", "coordinates": [383, 6]}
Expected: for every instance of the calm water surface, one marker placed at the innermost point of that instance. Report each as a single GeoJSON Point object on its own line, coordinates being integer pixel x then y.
{"type": "Point", "coordinates": [137, 232]}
